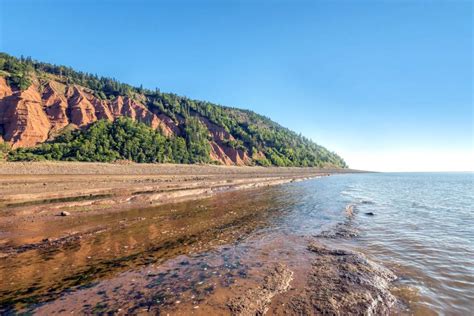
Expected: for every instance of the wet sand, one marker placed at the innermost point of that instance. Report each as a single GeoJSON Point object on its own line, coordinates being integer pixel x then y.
{"type": "Point", "coordinates": [136, 252]}
{"type": "Point", "coordinates": [39, 188]}
{"type": "Point", "coordinates": [35, 194]}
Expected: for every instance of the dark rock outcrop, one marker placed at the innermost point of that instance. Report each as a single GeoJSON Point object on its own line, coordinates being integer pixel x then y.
{"type": "Point", "coordinates": [343, 282]}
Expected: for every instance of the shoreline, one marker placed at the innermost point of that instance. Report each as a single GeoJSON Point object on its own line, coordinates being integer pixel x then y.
{"type": "Point", "coordinates": [51, 167]}
{"type": "Point", "coordinates": [44, 187]}
{"type": "Point", "coordinates": [35, 193]}
{"type": "Point", "coordinates": [151, 238]}
{"type": "Point", "coordinates": [229, 247]}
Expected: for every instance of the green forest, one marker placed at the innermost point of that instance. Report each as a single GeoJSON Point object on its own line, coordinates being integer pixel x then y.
{"type": "Point", "coordinates": [122, 139]}
{"type": "Point", "coordinates": [125, 139]}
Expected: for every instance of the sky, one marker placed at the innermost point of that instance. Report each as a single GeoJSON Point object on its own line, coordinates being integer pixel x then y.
{"type": "Point", "coordinates": [388, 85]}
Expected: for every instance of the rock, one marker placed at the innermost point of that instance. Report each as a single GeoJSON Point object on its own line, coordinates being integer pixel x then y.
{"type": "Point", "coordinates": [256, 301]}
{"type": "Point", "coordinates": [341, 230]}
{"type": "Point", "coordinates": [82, 112]}
{"type": "Point", "coordinates": [343, 282]}
{"type": "Point", "coordinates": [64, 213]}
{"type": "Point", "coordinates": [220, 150]}
{"type": "Point", "coordinates": [369, 213]}
{"type": "Point", "coordinates": [30, 116]}
{"type": "Point", "coordinates": [350, 210]}
{"type": "Point", "coordinates": [5, 90]}
{"type": "Point", "coordinates": [55, 104]}
{"type": "Point", "coordinates": [218, 154]}
{"type": "Point", "coordinates": [24, 120]}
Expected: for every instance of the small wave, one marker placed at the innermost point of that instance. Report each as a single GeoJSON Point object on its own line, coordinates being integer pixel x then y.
{"type": "Point", "coordinates": [437, 207]}
{"type": "Point", "coordinates": [367, 202]}
{"type": "Point", "coordinates": [360, 199]}
{"type": "Point", "coordinates": [347, 193]}
{"type": "Point", "coordinates": [423, 206]}
{"type": "Point", "coordinates": [355, 189]}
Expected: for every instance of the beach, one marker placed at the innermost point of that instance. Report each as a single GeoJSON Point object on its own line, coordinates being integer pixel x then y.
{"type": "Point", "coordinates": [34, 193]}
{"type": "Point", "coordinates": [255, 241]}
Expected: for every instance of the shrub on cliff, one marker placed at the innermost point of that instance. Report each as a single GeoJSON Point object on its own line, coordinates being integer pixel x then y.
{"type": "Point", "coordinates": [4, 149]}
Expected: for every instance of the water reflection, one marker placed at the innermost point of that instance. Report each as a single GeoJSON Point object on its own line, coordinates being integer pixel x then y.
{"type": "Point", "coordinates": [131, 239]}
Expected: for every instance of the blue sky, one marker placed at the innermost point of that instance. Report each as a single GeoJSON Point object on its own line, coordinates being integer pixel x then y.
{"type": "Point", "coordinates": [386, 84]}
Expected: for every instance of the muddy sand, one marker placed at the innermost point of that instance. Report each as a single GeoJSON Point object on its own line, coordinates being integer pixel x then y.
{"type": "Point", "coordinates": [140, 239]}
{"type": "Point", "coordinates": [32, 193]}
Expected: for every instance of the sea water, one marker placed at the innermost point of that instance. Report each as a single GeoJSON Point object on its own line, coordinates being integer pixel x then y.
{"type": "Point", "coordinates": [422, 227]}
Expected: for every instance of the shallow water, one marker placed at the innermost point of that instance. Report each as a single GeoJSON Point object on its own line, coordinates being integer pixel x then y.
{"type": "Point", "coordinates": [192, 257]}
{"type": "Point", "coordinates": [423, 229]}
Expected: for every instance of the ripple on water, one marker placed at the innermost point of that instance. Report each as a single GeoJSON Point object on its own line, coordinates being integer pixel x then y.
{"type": "Point", "coordinates": [425, 227]}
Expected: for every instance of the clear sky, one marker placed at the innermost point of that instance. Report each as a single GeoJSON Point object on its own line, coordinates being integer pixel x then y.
{"type": "Point", "coordinates": [386, 84]}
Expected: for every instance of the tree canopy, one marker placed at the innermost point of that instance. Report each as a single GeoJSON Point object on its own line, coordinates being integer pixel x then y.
{"type": "Point", "coordinates": [122, 139]}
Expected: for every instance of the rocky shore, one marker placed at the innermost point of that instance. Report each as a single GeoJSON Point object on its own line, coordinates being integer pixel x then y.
{"type": "Point", "coordinates": [129, 249]}
{"type": "Point", "coordinates": [343, 282]}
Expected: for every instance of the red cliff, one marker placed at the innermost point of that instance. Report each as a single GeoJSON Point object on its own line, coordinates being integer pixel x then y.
{"type": "Point", "coordinates": [30, 117]}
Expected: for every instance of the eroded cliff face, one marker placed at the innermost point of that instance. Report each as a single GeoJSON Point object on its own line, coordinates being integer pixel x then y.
{"type": "Point", "coordinates": [30, 117]}
{"type": "Point", "coordinates": [222, 152]}
{"type": "Point", "coordinates": [23, 119]}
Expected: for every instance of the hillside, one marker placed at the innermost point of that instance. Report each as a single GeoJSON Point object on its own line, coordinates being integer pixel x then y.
{"type": "Point", "coordinates": [54, 112]}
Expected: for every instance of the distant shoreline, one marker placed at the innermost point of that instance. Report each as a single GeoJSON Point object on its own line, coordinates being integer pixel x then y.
{"type": "Point", "coordinates": [131, 168]}
{"type": "Point", "coordinates": [49, 187]}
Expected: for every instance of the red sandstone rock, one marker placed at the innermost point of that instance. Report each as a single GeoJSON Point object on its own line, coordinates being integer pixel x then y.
{"type": "Point", "coordinates": [28, 118]}
{"type": "Point", "coordinates": [82, 112]}
{"type": "Point", "coordinates": [55, 104]}
{"type": "Point", "coordinates": [219, 155]}
{"type": "Point", "coordinates": [25, 123]}
{"type": "Point", "coordinates": [5, 90]}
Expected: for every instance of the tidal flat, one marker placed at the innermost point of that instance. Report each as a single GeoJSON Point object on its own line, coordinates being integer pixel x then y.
{"type": "Point", "coordinates": [299, 247]}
